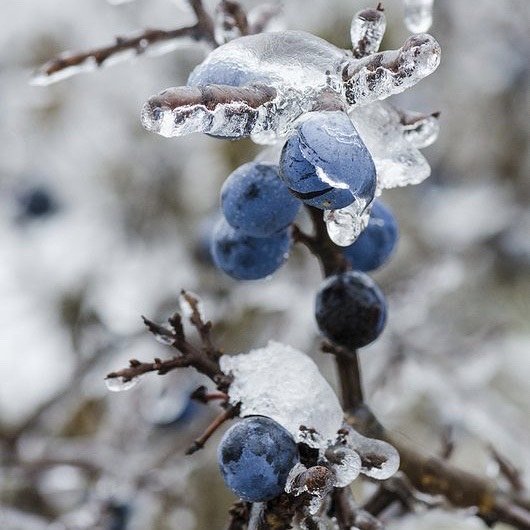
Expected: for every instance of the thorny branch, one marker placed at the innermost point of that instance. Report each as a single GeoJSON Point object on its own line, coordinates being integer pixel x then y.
{"type": "Point", "coordinates": [204, 359]}
{"type": "Point", "coordinates": [427, 474]}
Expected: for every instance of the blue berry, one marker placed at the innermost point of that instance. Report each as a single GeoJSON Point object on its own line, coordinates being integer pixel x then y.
{"type": "Point", "coordinates": [245, 257]}
{"type": "Point", "coordinates": [255, 457]}
{"type": "Point", "coordinates": [350, 309]}
{"type": "Point", "coordinates": [326, 164]}
{"type": "Point", "coordinates": [255, 201]}
{"type": "Point", "coordinates": [377, 241]}
{"type": "Point", "coordinates": [36, 203]}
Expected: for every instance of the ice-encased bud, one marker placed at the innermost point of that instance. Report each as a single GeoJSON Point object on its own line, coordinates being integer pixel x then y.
{"type": "Point", "coordinates": [379, 460]}
{"type": "Point", "coordinates": [381, 75]}
{"type": "Point", "coordinates": [345, 463]}
{"type": "Point", "coordinates": [317, 481]}
{"type": "Point", "coordinates": [418, 15]}
{"type": "Point", "coordinates": [284, 384]}
{"type": "Point", "coordinates": [367, 30]}
{"type": "Point", "coordinates": [344, 225]}
{"type": "Point", "coordinates": [397, 161]}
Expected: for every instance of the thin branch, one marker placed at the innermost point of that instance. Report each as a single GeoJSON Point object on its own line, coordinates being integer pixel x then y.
{"type": "Point", "coordinates": [229, 413]}
{"type": "Point", "coordinates": [233, 16]}
{"type": "Point", "coordinates": [69, 63]}
{"type": "Point", "coordinates": [202, 395]}
{"type": "Point", "coordinates": [508, 470]}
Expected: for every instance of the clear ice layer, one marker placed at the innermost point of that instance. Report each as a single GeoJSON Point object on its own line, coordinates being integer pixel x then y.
{"type": "Point", "coordinates": [367, 31]}
{"type": "Point", "coordinates": [284, 384]}
{"type": "Point", "coordinates": [418, 15]}
{"type": "Point", "coordinates": [379, 460]}
{"type": "Point", "coordinates": [420, 130]}
{"type": "Point", "coordinates": [118, 384]}
{"type": "Point", "coordinates": [346, 224]}
{"type": "Point", "coordinates": [301, 69]}
{"type": "Point", "coordinates": [397, 160]}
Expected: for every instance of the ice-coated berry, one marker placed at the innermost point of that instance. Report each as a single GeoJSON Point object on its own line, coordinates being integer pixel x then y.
{"type": "Point", "coordinates": [377, 241]}
{"type": "Point", "coordinates": [245, 257]}
{"type": "Point", "coordinates": [326, 164]}
{"type": "Point", "coordinates": [350, 309]}
{"type": "Point", "coordinates": [255, 457]}
{"type": "Point", "coordinates": [256, 202]}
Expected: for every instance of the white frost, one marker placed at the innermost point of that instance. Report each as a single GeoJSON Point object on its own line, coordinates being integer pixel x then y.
{"type": "Point", "coordinates": [284, 384]}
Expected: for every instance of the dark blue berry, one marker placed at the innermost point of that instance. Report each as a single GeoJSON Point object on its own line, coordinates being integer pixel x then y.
{"type": "Point", "coordinates": [255, 457]}
{"type": "Point", "coordinates": [245, 257]}
{"type": "Point", "coordinates": [377, 241]}
{"type": "Point", "coordinates": [326, 164]}
{"type": "Point", "coordinates": [256, 202]}
{"type": "Point", "coordinates": [36, 203]}
{"type": "Point", "coordinates": [350, 309]}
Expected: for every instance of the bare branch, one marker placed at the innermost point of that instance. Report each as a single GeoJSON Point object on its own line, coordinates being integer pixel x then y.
{"type": "Point", "coordinates": [508, 470]}
{"type": "Point", "coordinates": [148, 41]}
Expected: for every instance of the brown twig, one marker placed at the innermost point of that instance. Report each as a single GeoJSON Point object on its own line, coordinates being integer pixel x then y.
{"type": "Point", "coordinates": [204, 359]}
{"type": "Point", "coordinates": [233, 16]}
{"type": "Point", "coordinates": [508, 470]}
{"type": "Point", "coordinates": [229, 413]}
{"type": "Point", "coordinates": [139, 43]}
{"type": "Point", "coordinates": [202, 395]}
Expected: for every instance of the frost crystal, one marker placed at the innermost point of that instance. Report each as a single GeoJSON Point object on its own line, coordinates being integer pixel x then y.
{"type": "Point", "coordinates": [418, 15]}
{"type": "Point", "coordinates": [284, 384]}
{"type": "Point", "coordinates": [346, 224]}
{"type": "Point", "coordinates": [397, 160]}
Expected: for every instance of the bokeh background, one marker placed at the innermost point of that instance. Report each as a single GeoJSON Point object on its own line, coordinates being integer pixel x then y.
{"type": "Point", "coordinates": [101, 222]}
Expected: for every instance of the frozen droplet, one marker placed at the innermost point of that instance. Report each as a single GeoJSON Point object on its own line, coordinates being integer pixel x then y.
{"type": "Point", "coordinates": [379, 459]}
{"type": "Point", "coordinates": [367, 30]}
{"type": "Point", "coordinates": [318, 481]}
{"type": "Point", "coordinates": [187, 309]}
{"type": "Point", "coordinates": [119, 384]}
{"type": "Point", "coordinates": [418, 15]}
{"type": "Point", "coordinates": [345, 224]}
{"type": "Point", "coordinates": [398, 162]}
{"type": "Point", "coordinates": [420, 130]}
{"type": "Point", "coordinates": [345, 463]}
{"type": "Point", "coordinates": [284, 384]}
{"type": "Point", "coordinates": [48, 73]}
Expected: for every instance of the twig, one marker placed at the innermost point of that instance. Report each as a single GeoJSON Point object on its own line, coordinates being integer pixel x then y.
{"type": "Point", "coordinates": [204, 359]}
{"type": "Point", "coordinates": [229, 413]}
{"type": "Point", "coordinates": [233, 16]}
{"type": "Point", "coordinates": [138, 44]}
{"type": "Point", "coordinates": [508, 470]}
{"type": "Point", "coordinates": [202, 395]}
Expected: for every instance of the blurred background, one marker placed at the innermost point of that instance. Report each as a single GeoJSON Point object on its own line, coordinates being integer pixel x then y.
{"type": "Point", "coordinates": [101, 222]}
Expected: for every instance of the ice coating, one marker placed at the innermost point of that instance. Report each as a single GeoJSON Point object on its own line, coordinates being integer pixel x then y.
{"type": "Point", "coordinates": [367, 30]}
{"type": "Point", "coordinates": [420, 130]}
{"type": "Point", "coordinates": [284, 384]}
{"type": "Point", "coordinates": [397, 161]}
{"type": "Point", "coordinates": [296, 71]}
{"type": "Point", "coordinates": [345, 463]}
{"type": "Point", "coordinates": [344, 225]}
{"type": "Point", "coordinates": [418, 15]}
{"type": "Point", "coordinates": [379, 460]}
{"type": "Point", "coordinates": [390, 72]}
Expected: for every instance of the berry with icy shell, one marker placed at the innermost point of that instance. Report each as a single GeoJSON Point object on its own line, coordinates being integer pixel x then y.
{"type": "Point", "coordinates": [256, 202]}
{"type": "Point", "coordinates": [376, 242]}
{"type": "Point", "coordinates": [326, 164]}
{"type": "Point", "coordinates": [245, 257]}
{"type": "Point", "coordinates": [255, 457]}
{"type": "Point", "coordinates": [350, 309]}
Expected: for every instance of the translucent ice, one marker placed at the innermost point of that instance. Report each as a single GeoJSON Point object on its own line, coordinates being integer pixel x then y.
{"type": "Point", "coordinates": [345, 224]}
{"type": "Point", "coordinates": [419, 129]}
{"type": "Point", "coordinates": [118, 384]}
{"type": "Point", "coordinates": [397, 161]}
{"type": "Point", "coordinates": [345, 463]}
{"type": "Point", "coordinates": [418, 15]}
{"type": "Point", "coordinates": [379, 459]}
{"type": "Point", "coordinates": [295, 71]}
{"type": "Point", "coordinates": [284, 384]}
{"type": "Point", "coordinates": [318, 481]}
{"type": "Point", "coordinates": [186, 307]}
{"type": "Point", "coordinates": [367, 29]}
{"type": "Point", "coordinates": [381, 75]}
